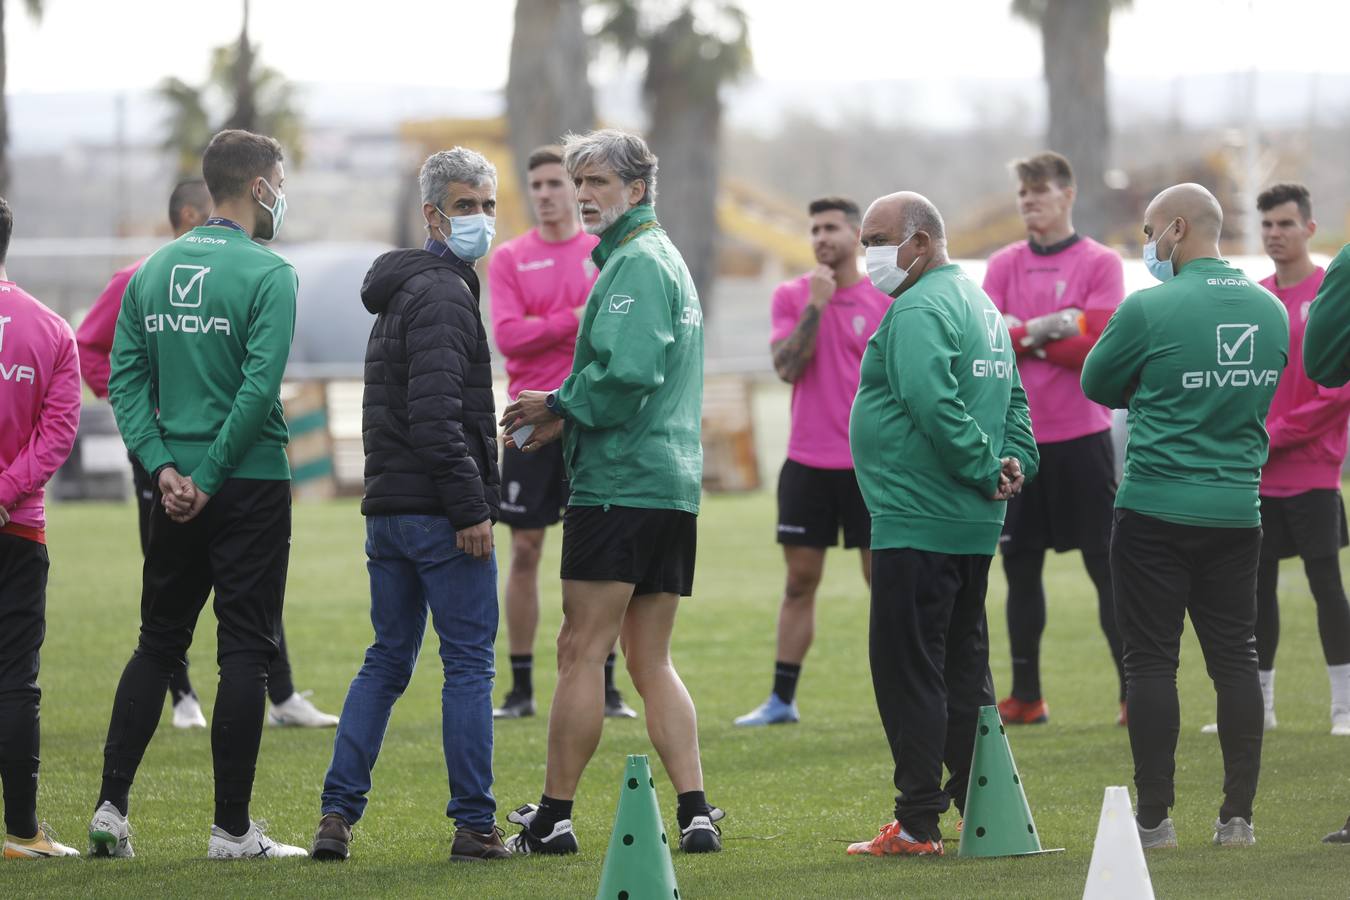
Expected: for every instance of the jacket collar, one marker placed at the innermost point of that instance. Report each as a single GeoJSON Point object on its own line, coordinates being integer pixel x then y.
{"type": "Point", "coordinates": [463, 269]}
{"type": "Point", "coordinates": [621, 230]}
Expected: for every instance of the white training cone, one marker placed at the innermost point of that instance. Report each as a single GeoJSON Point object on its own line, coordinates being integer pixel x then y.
{"type": "Point", "coordinates": [1118, 870]}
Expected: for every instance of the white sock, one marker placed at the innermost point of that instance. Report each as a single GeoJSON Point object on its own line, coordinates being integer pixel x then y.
{"type": "Point", "coordinates": [1340, 686]}
{"type": "Point", "coordinates": [1267, 687]}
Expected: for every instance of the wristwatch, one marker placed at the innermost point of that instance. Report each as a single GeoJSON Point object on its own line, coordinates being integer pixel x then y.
{"type": "Point", "coordinates": [552, 404]}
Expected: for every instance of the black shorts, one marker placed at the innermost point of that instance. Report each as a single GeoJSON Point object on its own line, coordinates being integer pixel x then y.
{"type": "Point", "coordinates": [1070, 503]}
{"type": "Point", "coordinates": [652, 549]}
{"type": "Point", "coordinates": [534, 487]}
{"type": "Point", "coordinates": [813, 504]}
{"type": "Point", "coordinates": [1310, 525]}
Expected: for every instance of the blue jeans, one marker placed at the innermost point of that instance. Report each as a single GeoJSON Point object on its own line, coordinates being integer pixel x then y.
{"type": "Point", "coordinates": [415, 566]}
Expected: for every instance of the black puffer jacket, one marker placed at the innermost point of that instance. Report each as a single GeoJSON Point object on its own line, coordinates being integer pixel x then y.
{"type": "Point", "coordinates": [427, 418]}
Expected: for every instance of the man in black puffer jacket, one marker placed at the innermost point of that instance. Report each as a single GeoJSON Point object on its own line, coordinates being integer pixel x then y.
{"type": "Point", "coordinates": [431, 497]}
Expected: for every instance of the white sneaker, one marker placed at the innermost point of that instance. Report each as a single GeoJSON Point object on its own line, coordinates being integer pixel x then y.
{"type": "Point", "coordinates": [1340, 721]}
{"type": "Point", "coordinates": [296, 711]}
{"type": "Point", "coordinates": [253, 845]}
{"type": "Point", "coordinates": [110, 833]}
{"type": "Point", "coordinates": [1271, 723]}
{"type": "Point", "coordinates": [187, 713]}
{"type": "Point", "coordinates": [1236, 832]}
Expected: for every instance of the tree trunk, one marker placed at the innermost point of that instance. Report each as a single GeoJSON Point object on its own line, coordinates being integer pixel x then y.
{"type": "Point", "coordinates": [4, 110]}
{"type": "Point", "coordinates": [1075, 35]}
{"type": "Point", "coordinates": [245, 114]}
{"type": "Point", "coordinates": [685, 134]}
{"type": "Point", "coordinates": [548, 92]}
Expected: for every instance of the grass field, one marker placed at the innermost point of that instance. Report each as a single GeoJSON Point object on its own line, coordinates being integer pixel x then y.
{"type": "Point", "coordinates": [794, 794]}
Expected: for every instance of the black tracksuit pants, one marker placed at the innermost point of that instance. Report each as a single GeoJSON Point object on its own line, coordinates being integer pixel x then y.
{"type": "Point", "coordinates": [239, 545]}
{"type": "Point", "coordinates": [929, 648]}
{"type": "Point", "coordinates": [23, 618]}
{"type": "Point", "coordinates": [1162, 571]}
{"type": "Point", "coordinates": [279, 683]}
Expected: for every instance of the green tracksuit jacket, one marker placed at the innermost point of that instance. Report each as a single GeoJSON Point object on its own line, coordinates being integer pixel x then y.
{"type": "Point", "coordinates": [633, 404]}
{"type": "Point", "coordinates": [1326, 342]}
{"type": "Point", "coordinates": [939, 404]}
{"type": "Point", "coordinates": [198, 356]}
{"type": "Point", "coordinates": [1196, 360]}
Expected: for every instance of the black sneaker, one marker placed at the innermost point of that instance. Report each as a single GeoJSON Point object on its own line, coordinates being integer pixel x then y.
{"type": "Point", "coordinates": [515, 706]}
{"type": "Point", "coordinates": [701, 835]}
{"type": "Point", "coordinates": [615, 708]}
{"type": "Point", "coordinates": [560, 840]}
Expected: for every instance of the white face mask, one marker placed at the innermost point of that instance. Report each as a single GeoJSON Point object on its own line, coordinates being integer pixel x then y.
{"type": "Point", "coordinates": [886, 276]}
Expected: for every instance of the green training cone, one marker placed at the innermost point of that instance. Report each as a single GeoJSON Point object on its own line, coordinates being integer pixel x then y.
{"type": "Point", "coordinates": [997, 818]}
{"type": "Point", "coordinates": [637, 864]}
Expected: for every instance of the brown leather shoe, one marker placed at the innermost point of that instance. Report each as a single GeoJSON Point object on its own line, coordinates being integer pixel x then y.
{"type": "Point", "coordinates": [332, 838]}
{"type": "Point", "coordinates": [471, 846]}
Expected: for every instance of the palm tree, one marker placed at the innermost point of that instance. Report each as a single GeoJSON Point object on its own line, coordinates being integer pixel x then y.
{"type": "Point", "coordinates": [239, 92]}
{"type": "Point", "coordinates": [34, 8]}
{"type": "Point", "coordinates": [1075, 35]}
{"type": "Point", "coordinates": [548, 92]}
{"type": "Point", "coordinates": [688, 60]}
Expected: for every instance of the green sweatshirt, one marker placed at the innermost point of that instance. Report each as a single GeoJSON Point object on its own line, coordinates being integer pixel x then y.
{"type": "Point", "coordinates": [634, 401]}
{"type": "Point", "coordinates": [939, 404]}
{"type": "Point", "coordinates": [200, 348]}
{"type": "Point", "coordinates": [1326, 342]}
{"type": "Point", "coordinates": [1196, 361]}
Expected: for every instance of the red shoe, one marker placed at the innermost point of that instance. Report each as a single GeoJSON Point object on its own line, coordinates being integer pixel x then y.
{"type": "Point", "coordinates": [1019, 712]}
{"type": "Point", "coordinates": [1123, 720]}
{"type": "Point", "coordinates": [893, 840]}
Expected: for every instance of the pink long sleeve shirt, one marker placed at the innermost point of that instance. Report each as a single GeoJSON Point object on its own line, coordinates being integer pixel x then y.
{"type": "Point", "coordinates": [95, 334]}
{"type": "Point", "coordinates": [1027, 284]}
{"type": "Point", "coordinates": [1307, 422]}
{"type": "Point", "coordinates": [39, 404]}
{"type": "Point", "coordinates": [536, 287]}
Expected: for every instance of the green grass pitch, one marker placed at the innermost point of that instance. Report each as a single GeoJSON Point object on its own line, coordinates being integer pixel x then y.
{"type": "Point", "coordinates": [794, 794]}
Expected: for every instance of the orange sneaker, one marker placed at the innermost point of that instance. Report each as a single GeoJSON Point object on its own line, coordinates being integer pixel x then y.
{"type": "Point", "coordinates": [1123, 720]}
{"type": "Point", "coordinates": [1019, 712]}
{"type": "Point", "coordinates": [893, 840]}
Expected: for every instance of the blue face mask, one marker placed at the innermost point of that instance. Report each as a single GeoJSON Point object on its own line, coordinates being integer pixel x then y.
{"type": "Point", "coordinates": [1161, 269]}
{"type": "Point", "coordinates": [470, 236]}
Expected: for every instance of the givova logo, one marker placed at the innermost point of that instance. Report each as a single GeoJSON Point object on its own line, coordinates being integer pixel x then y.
{"type": "Point", "coordinates": [185, 285]}
{"type": "Point", "coordinates": [995, 330]}
{"type": "Point", "coordinates": [15, 373]}
{"type": "Point", "coordinates": [1236, 348]}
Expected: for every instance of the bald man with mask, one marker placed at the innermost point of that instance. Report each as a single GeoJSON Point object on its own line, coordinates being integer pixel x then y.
{"type": "Point", "coordinates": [1196, 361]}
{"type": "Point", "coordinates": [941, 440]}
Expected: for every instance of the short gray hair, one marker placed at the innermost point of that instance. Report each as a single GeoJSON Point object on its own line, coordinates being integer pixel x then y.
{"type": "Point", "coordinates": [922, 215]}
{"type": "Point", "coordinates": [459, 165]}
{"type": "Point", "coordinates": [626, 154]}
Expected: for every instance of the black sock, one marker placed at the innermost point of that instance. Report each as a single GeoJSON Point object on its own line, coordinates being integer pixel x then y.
{"type": "Point", "coordinates": [233, 817]}
{"type": "Point", "coordinates": [785, 677]}
{"type": "Point", "coordinates": [20, 784]}
{"type": "Point", "coordinates": [115, 791]}
{"type": "Point", "coordinates": [1151, 816]}
{"type": "Point", "coordinates": [551, 812]}
{"type": "Point", "coordinates": [522, 666]}
{"type": "Point", "coordinates": [691, 804]}
{"type": "Point", "coordinates": [609, 674]}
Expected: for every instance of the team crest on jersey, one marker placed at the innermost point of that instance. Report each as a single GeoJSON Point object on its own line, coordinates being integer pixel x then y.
{"type": "Point", "coordinates": [1305, 308]}
{"type": "Point", "coordinates": [588, 266]}
{"type": "Point", "coordinates": [859, 323]}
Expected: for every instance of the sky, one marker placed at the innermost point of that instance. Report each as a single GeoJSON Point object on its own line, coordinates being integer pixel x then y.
{"type": "Point", "coordinates": [83, 45]}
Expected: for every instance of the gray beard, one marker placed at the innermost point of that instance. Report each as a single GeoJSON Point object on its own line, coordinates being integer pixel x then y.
{"type": "Point", "coordinates": [607, 218]}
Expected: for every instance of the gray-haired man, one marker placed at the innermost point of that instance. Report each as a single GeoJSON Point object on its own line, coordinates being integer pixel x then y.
{"type": "Point", "coordinates": [431, 497]}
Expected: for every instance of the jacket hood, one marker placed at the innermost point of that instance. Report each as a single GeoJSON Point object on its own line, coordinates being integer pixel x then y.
{"type": "Point", "coordinates": [390, 270]}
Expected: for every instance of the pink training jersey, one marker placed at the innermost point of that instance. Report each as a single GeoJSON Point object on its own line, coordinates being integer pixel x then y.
{"type": "Point", "coordinates": [536, 287]}
{"type": "Point", "coordinates": [822, 396]}
{"type": "Point", "coordinates": [39, 402]}
{"type": "Point", "coordinates": [94, 337]}
{"type": "Point", "coordinates": [1307, 422]}
{"type": "Point", "coordinates": [1026, 284]}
